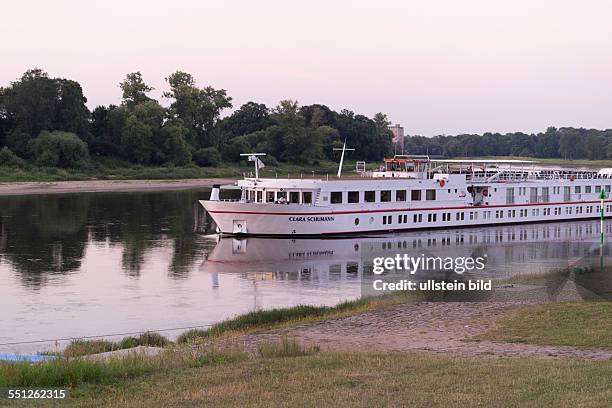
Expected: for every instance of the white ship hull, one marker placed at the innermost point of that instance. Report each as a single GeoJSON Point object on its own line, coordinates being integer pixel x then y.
{"type": "Point", "coordinates": [237, 219]}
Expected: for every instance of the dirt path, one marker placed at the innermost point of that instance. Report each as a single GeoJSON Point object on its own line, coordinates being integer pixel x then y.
{"type": "Point", "coordinates": [106, 186]}
{"type": "Point", "coordinates": [423, 327]}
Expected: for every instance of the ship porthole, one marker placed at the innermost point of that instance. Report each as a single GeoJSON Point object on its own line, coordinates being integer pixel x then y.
{"type": "Point", "coordinates": [371, 220]}
{"type": "Point", "coordinates": [356, 221]}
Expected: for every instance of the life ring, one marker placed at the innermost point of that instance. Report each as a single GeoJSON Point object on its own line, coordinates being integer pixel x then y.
{"type": "Point", "coordinates": [485, 192]}
{"type": "Point", "coordinates": [572, 177]}
{"type": "Point", "coordinates": [442, 182]}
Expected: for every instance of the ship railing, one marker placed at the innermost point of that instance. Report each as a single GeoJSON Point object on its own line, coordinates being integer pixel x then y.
{"type": "Point", "coordinates": [517, 177]}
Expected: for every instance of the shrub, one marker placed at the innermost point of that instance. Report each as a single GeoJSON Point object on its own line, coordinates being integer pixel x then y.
{"type": "Point", "coordinates": [128, 342]}
{"type": "Point", "coordinates": [235, 147]}
{"type": "Point", "coordinates": [192, 335]}
{"type": "Point", "coordinates": [207, 157]}
{"type": "Point", "coordinates": [152, 339]}
{"type": "Point", "coordinates": [59, 149]}
{"type": "Point", "coordinates": [8, 158]}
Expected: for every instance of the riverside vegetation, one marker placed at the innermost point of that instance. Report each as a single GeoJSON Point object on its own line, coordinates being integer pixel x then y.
{"type": "Point", "coordinates": [48, 133]}
{"type": "Point", "coordinates": [45, 125]}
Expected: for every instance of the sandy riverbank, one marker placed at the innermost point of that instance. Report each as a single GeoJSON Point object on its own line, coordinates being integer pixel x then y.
{"type": "Point", "coordinates": [444, 328]}
{"type": "Point", "coordinates": [93, 186]}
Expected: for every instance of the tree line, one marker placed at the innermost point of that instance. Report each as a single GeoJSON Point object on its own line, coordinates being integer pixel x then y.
{"type": "Point", "coordinates": [567, 143]}
{"type": "Point", "coordinates": [46, 121]}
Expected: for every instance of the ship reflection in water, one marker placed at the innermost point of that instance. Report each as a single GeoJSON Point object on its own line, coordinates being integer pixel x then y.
{"type": "Point", "coordinates": [511, 254]}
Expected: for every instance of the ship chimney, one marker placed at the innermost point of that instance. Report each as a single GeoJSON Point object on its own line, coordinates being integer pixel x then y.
{"type": "Point", "coordinates": [214, 194]}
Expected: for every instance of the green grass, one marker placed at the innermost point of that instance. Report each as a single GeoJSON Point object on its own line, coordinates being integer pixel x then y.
{"type": "Point", "coordinates": [285, 347]}
{"type": "Point", "coordinates": [579, 324]}
{"type": "Point", "coordinates": [73, 372]}
{"type": "Point", "coordinates": [103, 169]}
{"type": "Point", "coordinates": [363, 380]}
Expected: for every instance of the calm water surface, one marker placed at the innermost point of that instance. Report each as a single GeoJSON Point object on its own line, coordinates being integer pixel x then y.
{"type": "Point", "coordinates": [98, 264]}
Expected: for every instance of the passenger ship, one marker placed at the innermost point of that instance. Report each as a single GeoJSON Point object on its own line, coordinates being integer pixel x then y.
{"type": "Point", "coordinates": [411, 192]}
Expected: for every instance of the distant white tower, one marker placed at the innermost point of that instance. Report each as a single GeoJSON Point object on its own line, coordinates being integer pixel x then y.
{"type": "Point", "coordinates": [398, 137]}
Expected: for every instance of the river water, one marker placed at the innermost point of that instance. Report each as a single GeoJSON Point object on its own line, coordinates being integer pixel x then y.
{"type": "Point", "coordinates": [113, 263]}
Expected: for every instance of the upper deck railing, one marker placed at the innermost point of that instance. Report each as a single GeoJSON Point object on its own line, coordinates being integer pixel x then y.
{"type": "Point", "coordinates": [503, 176]}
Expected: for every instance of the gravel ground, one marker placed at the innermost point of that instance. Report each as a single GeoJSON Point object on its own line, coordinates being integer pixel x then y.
{"type": "Point", "coordinates": [429, 327]}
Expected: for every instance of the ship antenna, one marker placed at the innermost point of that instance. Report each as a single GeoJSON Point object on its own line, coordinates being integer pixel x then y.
{"type": "Point", "coordinates": [342, 157]}
{"type": "Point", "coordinates": [258, 163]}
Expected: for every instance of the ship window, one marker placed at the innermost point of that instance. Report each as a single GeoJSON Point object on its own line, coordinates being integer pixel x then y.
{"type": "Point", "coordinates": [415, 195]}
{"type": "Point", "coordinates": [259, 196]}
{"type": "Point", "coordinates": [587, 189]}
{"type": "Point", "coordinates": [307, 197]}
{"type": "Point", "coordinates": [577, 189]}
{"type": "Point", "coordinates": [607, 189]}
{"type": "Point", "coordinates": [356, 221]}
{"type": "Point", "coordinates": [430, 194]}
{"type": "Point", "coordinates": [294, 197]}
{"type": "Point", "coordinates": [597, 189]}
{"type": "Point", "coordinates": [353, 196]}
{"type": "Point", "coordinates": [281, 195]}
{"type": "Point", "coordinates": [414, 218]}
{"type": "Point", "coordinates": [385, 196]}
{"type": "Point", "coordinates": [405, 218]}
{"type": "Point", "coordinates": [336, 197]}
{"type": "Point", "coordinates": [370, 196]}
{"type": "Point", "coordinates": [270, 196]}
{"type": "Point", "coordinates": [400, 195]}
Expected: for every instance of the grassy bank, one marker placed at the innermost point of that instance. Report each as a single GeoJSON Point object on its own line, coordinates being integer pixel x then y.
{"type": "Point", "coordinates": [249, 322]}
{"type": "Point", "coordinates": [113, 170]}
{"type": "Point", "coordinates": [579, 324]}
{"type": "Point", "coordinates": [362, 379]}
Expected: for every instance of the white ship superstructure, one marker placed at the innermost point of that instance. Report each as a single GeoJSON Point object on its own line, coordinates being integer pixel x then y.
{"type": "Point", "coordinates": [413, 192]}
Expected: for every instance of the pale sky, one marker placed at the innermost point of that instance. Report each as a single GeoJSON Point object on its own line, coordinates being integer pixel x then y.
{"type": "Point", "coordinates": [436, 67]}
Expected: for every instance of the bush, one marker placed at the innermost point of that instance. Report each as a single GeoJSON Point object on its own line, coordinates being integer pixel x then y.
{"type": "Point", "coordinates": [191, 336]}
{"type": "Point", "coordinates": [237, 146]}
{"type": "Point", "coordinates": [59, 149]}
{"type": "Point", "coordinates": [8, 158]}
{"type": "Point", "coordinates": [207, 157]}
{"type": "Point", "coordinates": [152, 339]}
{"type": "Point", "coordinates": [78, 348]}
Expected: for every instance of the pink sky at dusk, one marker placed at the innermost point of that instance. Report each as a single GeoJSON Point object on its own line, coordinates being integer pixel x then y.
{"type": "Point", "coordinates": [436, 67]}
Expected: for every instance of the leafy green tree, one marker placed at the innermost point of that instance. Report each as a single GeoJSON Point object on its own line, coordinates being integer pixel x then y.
{"type": "Point", "coordinates": [175, 148]}
{"type": "Point", "coordinates": [250, 118]}
{"type": "Point", "coordinates": [59, 149]}
{"type": "Point", "coordinates": [134, 89]}
{"type": "Point", "coordinates": [8, 158]}
{"type": "Point", "coordinates": [207, 157]}
{"type": "Point", "coordinates": [568, 143]}
{"type": "Point", "coordinates": [199, 109]}
{"type": "Point", "coordinates": [137, 140]}
{"type": "Point", "coordinates": [35, 103]}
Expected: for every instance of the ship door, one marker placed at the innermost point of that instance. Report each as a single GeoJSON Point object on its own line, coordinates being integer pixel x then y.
{"type": "Point", "coordinates": [239, 227]}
